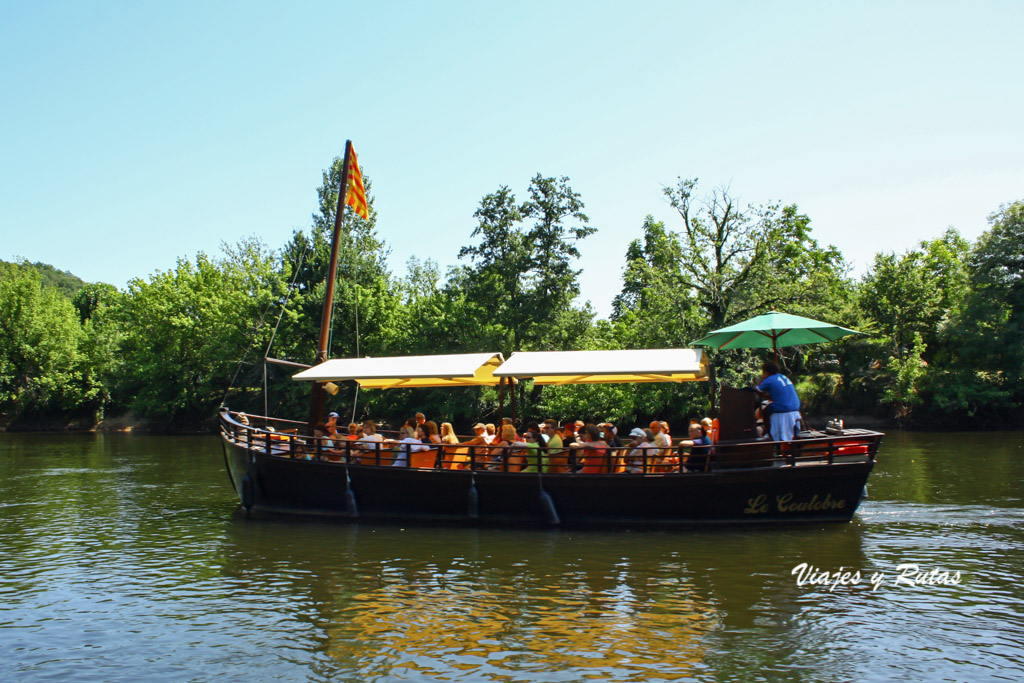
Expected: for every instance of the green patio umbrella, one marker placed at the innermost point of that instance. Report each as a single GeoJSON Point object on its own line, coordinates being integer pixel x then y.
{"type": "Point", "coordinates": [772, 330]}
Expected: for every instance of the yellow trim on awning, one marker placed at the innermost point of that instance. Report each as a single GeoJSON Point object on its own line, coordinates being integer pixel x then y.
{"type": "Point", "coordinates": [449, 370]}
{"type": "Point", "coordinates": [606, 367]}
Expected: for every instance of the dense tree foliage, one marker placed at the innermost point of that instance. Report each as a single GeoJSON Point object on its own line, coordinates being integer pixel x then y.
{"type": "Point", "coordinates": [944, 320]}
{"type": "Point", "coordinates": [41, 361]}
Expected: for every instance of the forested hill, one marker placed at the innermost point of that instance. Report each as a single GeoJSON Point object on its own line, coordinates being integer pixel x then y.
{"type": "Point", "coordinates": [944, 321]}
{"type": "Point", "coordinates": [54, 277]}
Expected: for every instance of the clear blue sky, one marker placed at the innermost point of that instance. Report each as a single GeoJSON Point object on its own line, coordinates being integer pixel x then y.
{"type": "Point", "coordinates": [132, 133]}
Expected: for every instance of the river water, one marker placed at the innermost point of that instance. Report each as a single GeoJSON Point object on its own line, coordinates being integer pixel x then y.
{"type": "Point", "coordinates": [126, 557]}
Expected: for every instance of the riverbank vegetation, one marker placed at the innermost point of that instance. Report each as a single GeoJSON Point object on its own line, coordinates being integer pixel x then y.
{"type": "Point", "coordinates": [944, 321]}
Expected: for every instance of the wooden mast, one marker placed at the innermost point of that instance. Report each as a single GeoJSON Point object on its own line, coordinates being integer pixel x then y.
{"type": "Point", "coordinates": [318, 394]}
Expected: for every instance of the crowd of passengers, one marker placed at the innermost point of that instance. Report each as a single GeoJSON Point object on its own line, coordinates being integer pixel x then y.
{"type": "Point", "coordinates": [572, 447]}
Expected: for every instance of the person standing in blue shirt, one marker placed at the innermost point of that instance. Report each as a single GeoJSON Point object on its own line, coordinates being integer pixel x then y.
{"type": "Point", "coordinates": [784, 410]}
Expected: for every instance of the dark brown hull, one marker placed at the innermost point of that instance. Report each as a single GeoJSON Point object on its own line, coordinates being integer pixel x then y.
{"type": "Point", "coordinates": [265, 483]}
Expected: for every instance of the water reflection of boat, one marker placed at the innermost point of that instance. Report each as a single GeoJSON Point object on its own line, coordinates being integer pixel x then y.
{"type": "Point", "coordinates": [278, 465]}
{"type": "Point", "coordinates": [434, 603]}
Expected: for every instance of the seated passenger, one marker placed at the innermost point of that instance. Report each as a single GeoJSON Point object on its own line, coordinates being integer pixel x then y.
{"type": "Point", "coordinates": [661, 460]}
{"type": "Point", "coordinates": [535, 449]}
{"type": "Point", "coordinates": [502, 450]}
{"type": "Point", "coordinates": [700, 448]}
{"type": "Point", "coordinates": [326, 445]}
{"type": "Point", "coordinates": [448, 434]}
{"type": "Point", "coordinates": [332, 432]}
{"type": "Point", "coordinates": [320, 432]}
{"type": "Point", "coordinates": [410, 444]}
{"type": "Point", "coordinates": [661, 438]}
{"type": "Point", "coordinates": [761, 427]}
{"type": "Point", "coordinates": [535, 428]}
{"type": "Point", "coordinates": [480, 438]}
{"type": "Point", "coordinates": [556, 454]}
{"type": "Point", "coordinates": [640, 447]}
{"type": "Point", "coordinates": [353, 431]}
{"type": "Point", "coordinates": [549, 429]}
{"type": "Point", "coordinates": [370, 441]}
{"type": "Point", "coordinates": [430, 430]}
{"type": "Point", "coordinates": [490, 436]}
{"type": "Point", "coordinates": [591, 452]}
{"type": "Point", "coordinates": [610, 434]}
{"type": "Point", "coordinates": [569, 433]}
{"type": "Point", "coordinates": [507, 421]}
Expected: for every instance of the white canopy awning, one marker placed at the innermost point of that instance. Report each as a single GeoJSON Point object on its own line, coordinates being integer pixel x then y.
{"type": "Point", "coordinates": [598, 367]}
{"type": "Point", "coordinates": [452, 370]}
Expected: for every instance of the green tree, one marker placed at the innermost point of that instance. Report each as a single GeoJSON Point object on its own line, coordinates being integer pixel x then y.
{"type": "Point", "coordinates": [947, 260]}
{"type": "Point", "coordinates": [980, 369]}
{"type": "Point", "coordinates": [364, 291]}
{"type": "Point", "coordinates": [726, 264]}
{"type": "Point", "coordinates": [655, 307]}
{"type": "Point", "coordinates": [366, 319]}
{"type": "Point", "coordinates": [101, 311]}
{"type": "Point", "coordinates": [740, 262]}
{"type": "Point", "coordinates": [907, 371]}
{"type": "Point", "coordinates": [189, 327]}
{"type": "Point", "coordinates": [520, 284]}
{"type": "Point", "coordinates": [997, 274]}
{"type": "Point", "coordinates": [41, 364]}
{"type": "Point", "coordinates": [522, 276]}
{"type": "Point", "coordinates": [915, 301]}
{"type": "Point", "coordinates": [901, 295]}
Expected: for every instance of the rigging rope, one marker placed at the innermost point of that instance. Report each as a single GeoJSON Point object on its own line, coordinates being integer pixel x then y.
{"type": "Point", "coordinates": [258, 327]}
{"type": "Point", "coordinates": [273, 335]}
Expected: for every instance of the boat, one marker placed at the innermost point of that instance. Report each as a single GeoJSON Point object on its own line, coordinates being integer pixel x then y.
{"type": "Point", "coordinates": [276, 467]}
{"type": "Point", "coordinates": [281, 466]}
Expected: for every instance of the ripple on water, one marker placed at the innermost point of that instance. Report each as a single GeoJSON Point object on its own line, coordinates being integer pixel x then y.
{"type": "Point", "coordinates": [128, 558]}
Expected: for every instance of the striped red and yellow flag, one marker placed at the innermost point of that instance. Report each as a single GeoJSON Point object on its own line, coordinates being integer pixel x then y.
{"type": "Point", "coordinates": [356, 195]}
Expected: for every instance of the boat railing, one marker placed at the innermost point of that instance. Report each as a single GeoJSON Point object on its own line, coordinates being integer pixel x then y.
{"type": "Point", "coordinates": [281, 438]}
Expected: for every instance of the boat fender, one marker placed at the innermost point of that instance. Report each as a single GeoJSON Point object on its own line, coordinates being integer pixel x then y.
{"type": "Point", "coordinates": [350, 498]}
{"type": "Point", "coordinates": [350, 504]}
{"type": "Point", "coordinates": [472, 499]}
{"type": "Point", "coordinates": [548, 505]}
{"type": "Point", "coordinates": [248, 492]}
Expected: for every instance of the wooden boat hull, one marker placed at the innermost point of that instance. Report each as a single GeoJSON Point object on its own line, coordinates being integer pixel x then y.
{"type": "Point", "coordinates": [269, 483]}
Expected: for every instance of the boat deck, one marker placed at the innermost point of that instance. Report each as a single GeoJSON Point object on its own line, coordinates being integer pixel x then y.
{"type": "Point", "coordinates": [813, 448]}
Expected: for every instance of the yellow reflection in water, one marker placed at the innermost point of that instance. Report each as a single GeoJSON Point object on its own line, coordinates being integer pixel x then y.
{"type": "Point", "coordinates": [439, 628]}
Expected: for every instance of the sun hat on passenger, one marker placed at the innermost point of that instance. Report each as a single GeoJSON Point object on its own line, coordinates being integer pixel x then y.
{"type": "Point", "coordinates": [333, 415]}
{"type": "Point", "coordinates": [479, 425]}
{"type": "Point", "coordinates": [638, 432]}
